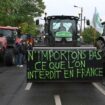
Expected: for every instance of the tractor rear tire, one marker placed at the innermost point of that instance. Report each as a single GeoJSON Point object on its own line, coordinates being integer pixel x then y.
{"type": "Point", "coordinates": [9, 57]}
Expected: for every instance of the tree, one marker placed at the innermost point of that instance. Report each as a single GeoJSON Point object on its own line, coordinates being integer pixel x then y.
{"type": "Point", "coordinates": [90, 35]}
{"type": "Point", "coordinates": [28, 28]}
{"type": "Point", "coordinates": [15, 12]}
{"type": "Point", "coordinates": [32, 7]}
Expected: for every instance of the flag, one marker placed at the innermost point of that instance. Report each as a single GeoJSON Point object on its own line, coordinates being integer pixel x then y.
{"type": "Point", "coordinates": [97, 22]}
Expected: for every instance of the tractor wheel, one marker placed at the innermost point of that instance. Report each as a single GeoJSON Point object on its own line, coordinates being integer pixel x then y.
{"type": "Point", "coordinates": [100, 44]}
{"type": "Point", "coordinates": [9, 58]}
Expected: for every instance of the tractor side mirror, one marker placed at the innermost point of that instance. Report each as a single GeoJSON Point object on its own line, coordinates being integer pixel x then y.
{"type": "Point", "coordinates": [37, 22]}
{"type": "Point", "coordinates": [88, 22]}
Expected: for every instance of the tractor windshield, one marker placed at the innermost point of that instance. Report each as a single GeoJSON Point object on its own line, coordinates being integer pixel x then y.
{"type": "Point", "coordinates": [8, 33]}
{"type": "Point", "coordinates": [63, 27]}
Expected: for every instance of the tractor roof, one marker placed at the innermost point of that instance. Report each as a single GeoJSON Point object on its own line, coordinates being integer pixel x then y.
{"type": "Point", "coordinates": [63, 17]}
{"type": "Point", "coordinates": [8, 28]}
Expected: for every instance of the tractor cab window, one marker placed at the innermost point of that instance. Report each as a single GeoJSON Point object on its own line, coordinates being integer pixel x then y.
{"type": "Point", "coordinates": [58, 25]}
{"type": "Point", "coordinates": [6, 33]}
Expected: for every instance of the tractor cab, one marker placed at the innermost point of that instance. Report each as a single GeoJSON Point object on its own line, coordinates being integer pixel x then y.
{"type": "Point", "coordinates": [61, 30]}
{"type": "Point", "coordinates": [10, 33]}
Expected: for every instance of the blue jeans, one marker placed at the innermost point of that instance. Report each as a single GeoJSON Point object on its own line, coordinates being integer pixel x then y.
{"type": "Point", "coordinates": [19, 59]}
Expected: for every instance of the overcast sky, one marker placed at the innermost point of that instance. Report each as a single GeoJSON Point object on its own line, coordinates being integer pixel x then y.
{"type": "Point", "coordinates": [66, 7]}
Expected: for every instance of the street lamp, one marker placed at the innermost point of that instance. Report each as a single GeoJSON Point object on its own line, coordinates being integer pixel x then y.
{"type": "Point", "coordinates": [80, 15]}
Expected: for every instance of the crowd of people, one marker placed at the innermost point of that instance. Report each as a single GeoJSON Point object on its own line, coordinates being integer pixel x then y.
{"type": "Point", "coordinates": [21, 47]}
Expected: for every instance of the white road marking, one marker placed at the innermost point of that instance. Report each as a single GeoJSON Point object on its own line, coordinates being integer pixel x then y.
{"type": "Point", "coordinates": [57, 100]}
{"type": "Point", "coordinates": [28, 86]}
{"type": "Point", "coordinates": [99, 88]}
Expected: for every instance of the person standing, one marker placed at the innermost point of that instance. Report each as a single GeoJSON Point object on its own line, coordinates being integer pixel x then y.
{"type": "Point", "coordinates": [19, 54]}
{"type": "Point", "coordinates": [24, 50]}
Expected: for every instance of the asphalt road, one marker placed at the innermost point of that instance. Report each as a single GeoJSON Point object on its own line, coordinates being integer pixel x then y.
{"type": "Point", "coordinates": [13, 85]}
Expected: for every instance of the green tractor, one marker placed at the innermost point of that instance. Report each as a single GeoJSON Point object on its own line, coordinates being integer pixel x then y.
{"type": "Point", "coordinates": [61, 31]}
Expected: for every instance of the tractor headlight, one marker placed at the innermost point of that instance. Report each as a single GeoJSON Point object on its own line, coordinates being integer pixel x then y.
{"type": "Point", "coordinates": [69, 39]}
{"type": "Point", "coordinates": [58, 39]}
